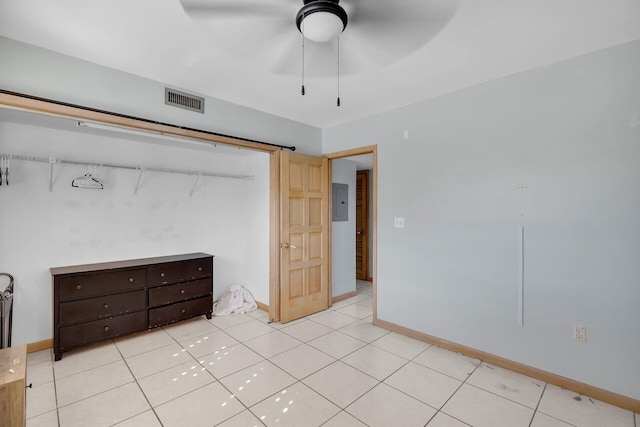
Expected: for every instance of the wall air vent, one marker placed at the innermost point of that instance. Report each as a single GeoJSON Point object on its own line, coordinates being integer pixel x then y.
{"type": "Point", "coordinates": [183, 100]}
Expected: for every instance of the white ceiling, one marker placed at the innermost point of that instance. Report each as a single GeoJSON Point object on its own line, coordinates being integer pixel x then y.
{"type": "Point", "coordinates": [231, 59]}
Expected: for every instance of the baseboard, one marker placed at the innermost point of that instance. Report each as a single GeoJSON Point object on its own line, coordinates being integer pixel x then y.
{"type": "Point", "coordinates": [343, 297]}
{"type": "Point", "coordinates": [263, 307]}
{"type": "Point", "coordinates": [40, 345]}
{"type": "Point", "coordinates": [551, 378]}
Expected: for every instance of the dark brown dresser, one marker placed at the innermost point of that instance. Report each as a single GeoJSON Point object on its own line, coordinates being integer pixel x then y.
{"type": "Point", "coordinates": [96, 302]}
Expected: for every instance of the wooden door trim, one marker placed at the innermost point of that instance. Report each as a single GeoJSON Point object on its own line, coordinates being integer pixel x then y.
{"type": "Point", "coordinates": [373, 150]}
{"type": "Point", "coordinates": [274, 237]}
{"type": "Point", "coordinates": [329, 233]}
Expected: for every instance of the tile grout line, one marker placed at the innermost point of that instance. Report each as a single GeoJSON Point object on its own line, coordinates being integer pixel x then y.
{"type": "Point", "coordinates": [171, 367]}
{"type": "Point", "coordinates": [247, 408]}
{"type": "Point", "coordinates": [364, 373]}
{"type": "Point", "coordinates": [138, 385]}
{"type": "Point", "coordinates": [453, 394]}
{"type": "Point", "coordinates": [300, 381]}
{"type": "Point", "coordinates": [55, 384]}
{"type": "Point", "coordinates": [103, 391]}
{"type": "Point", "coordinates": [535, 411]}
{"type": "Point", "coordinates": [208, 372]}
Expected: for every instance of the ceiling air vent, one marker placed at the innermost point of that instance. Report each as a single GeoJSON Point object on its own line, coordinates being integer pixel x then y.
{"type": "Point", "coordinates": [183, 100]}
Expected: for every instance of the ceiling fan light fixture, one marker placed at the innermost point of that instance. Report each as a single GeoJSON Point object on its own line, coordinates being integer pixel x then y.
{"type": "Point", "coordinates": [321, 20]}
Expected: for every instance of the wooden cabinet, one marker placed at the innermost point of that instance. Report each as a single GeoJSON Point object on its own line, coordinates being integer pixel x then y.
{"type": "Point", "coordinates": [96, 302]}
{"type": "Point", "coordinates": [13, 370]}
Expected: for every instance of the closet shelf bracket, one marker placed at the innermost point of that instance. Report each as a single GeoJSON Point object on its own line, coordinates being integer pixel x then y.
{"type": "Point", "coordinates": [52, 161]}
{"type": "Point", "coordinates": [141, 169]}
{"type": "Point", "coordinates": [193, 189]}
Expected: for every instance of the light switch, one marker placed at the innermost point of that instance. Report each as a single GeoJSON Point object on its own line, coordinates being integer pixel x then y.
{"type": "Point", "coordinates": [398, 222]}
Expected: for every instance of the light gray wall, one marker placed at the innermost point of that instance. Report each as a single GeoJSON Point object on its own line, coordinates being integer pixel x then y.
{"type": "Point", "coordinates": [40, 229]}
{"type": "Point", "coordinates": [343, 233]}
{"type": "Point", "coordinates": [39, 72]}
{"type": "Point", "coordinates": [555, 150]}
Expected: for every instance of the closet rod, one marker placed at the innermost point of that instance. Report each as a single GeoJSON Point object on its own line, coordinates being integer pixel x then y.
{"type": "Point", "coordinates": [53, 160]}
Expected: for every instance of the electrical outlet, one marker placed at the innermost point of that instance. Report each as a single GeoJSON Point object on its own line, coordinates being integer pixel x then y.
{"type": "Point", "coordinates": [580, 333]}
{"type": "Point", "coordinates": [398, 222]}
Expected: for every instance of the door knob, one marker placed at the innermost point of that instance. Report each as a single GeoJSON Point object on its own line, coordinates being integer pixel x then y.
{"type": "Point", "coordinates": [287, 246]}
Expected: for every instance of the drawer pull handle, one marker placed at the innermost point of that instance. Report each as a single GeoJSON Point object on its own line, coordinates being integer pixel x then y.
{"type": "Point", "coordinates": [182, 291]}
{"type": "Point", "coordinates": [106, 306]}
{"type": "Point", "coordinates": [162, 274]}
{"type": "Point", "coordinates": [131, 279]}
{"type": "Point", "coordinates": [183, 311]}
{"type": "Point", "coordinates": [78, 286]}
{"type": "Point", "coordinates": [199, 268]}
{"type": "Point", "coordinates": [106, 328]}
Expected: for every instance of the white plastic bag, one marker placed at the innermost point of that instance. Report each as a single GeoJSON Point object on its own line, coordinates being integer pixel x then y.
{"type": "Point", "coordinates": [237, 300]}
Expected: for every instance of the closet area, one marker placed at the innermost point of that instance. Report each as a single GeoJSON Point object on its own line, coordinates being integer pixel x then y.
{"type": "Point", "coordinates": [74, 194]}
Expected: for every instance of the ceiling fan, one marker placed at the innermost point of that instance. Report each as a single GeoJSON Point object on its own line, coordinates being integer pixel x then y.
{"type": "Point", "coordinates": [368, 34]}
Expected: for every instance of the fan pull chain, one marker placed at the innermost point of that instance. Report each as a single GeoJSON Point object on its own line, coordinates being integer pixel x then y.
{"type": "Point", "coordinates": [338, 102]}
{"type": "Point", "coordinates": [302, 32]}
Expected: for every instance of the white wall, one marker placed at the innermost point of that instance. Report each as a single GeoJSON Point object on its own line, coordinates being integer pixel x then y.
{"type": "Point", "coordinates": [343, 233]}
{"type": "Point", "coordinates": [39, 72]}
{"type": "Point", "coordinates": [40, 229]}
{"type": "Point", "coordinates": [556, 150]}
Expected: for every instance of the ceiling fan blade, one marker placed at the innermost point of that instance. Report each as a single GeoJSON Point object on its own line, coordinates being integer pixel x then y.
{"type": "Point", "coordinates": [320, 59]}
{"type": "Point", "coordinates": [284, 56]}
{"type": "Point", "coordinates": [253, 40]}
{"type": "Point", "coordinates": [236, 9]}
{"type": "Point", "coordinates": [393, 30]}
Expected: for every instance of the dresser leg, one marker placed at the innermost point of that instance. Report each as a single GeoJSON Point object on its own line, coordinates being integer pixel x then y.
{"type": "Point", "coordinates": [209, 316]}
{"type": "Point", "coordinates": [57, 356]}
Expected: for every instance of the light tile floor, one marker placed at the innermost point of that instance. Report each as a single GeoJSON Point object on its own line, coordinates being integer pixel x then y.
{"type": "Point", "coordinates": [330, 369]}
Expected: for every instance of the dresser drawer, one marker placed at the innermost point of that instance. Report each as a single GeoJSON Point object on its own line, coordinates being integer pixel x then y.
{"type": "Point", "coordinates": [101, 307]}
{"type": "Point", "coordinates": [174, 272]}
{"type": "Point", "coordinates": [180, 311]}
{"type": "Point", "coordinates": [180, 292]}
{"type": "Point", "coordinates": [84, 286]}
{"type": "Point", "coordinates": [99, 330]}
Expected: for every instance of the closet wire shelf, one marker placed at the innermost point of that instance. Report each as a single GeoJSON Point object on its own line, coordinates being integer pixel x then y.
{"type": "Point", "coordinates": [142, 169]}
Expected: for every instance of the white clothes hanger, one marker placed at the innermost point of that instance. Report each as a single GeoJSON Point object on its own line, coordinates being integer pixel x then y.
{"type": "Point", "coordinates": [88, 180]}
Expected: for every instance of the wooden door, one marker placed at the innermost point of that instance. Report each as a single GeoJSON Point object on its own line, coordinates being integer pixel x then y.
{"type": "Point", "coordinates": [304, 239]}
{"type": "Point", "coordinates": [362, 225]}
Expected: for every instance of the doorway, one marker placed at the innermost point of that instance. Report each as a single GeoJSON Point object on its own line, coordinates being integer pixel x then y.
{"type": "Point", "coordinates": [276, 300]}
{"type": "Point", "coordinates": [364, 243]}
{"type": "Point", "coordinates": [363, 228]}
